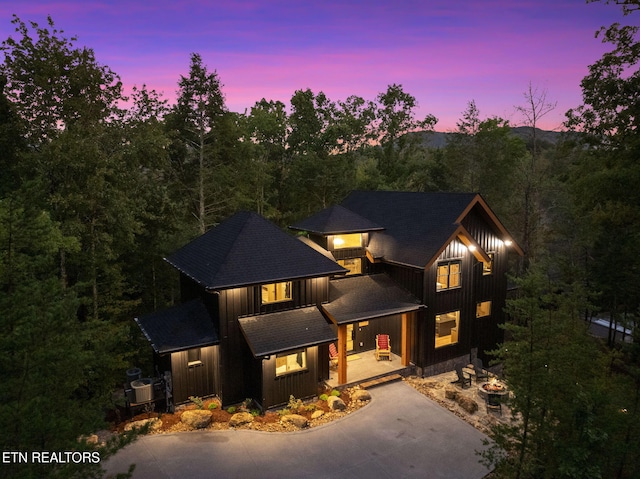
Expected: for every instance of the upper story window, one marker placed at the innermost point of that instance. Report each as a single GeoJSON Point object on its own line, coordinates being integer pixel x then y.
{"type": "Point", "coordinates": [354, 265]}
{"type": "Point", "coordinates": [276, 292]}
{"type": "Point", "coordinates": [487, 268]}
{"type": "Point", "coordinates": [347, 241]}
{"type": "Point", "coordinates": [448, 275]}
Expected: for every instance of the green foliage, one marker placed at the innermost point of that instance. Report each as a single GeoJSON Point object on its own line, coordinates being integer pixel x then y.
{"type": "Point", "coordinates": [557, 374]}
{"type": "Point", "coordinates": [294, 404]}
{"type": "Point", "coordinates": [213, 405]}
{"type": "Point", "coordinates": [335, 392]}
{"type": "Point", "coordinates": [231, 409]}
{"type": "Point", "coordinates": [197, 401]}
{"type": "Point", "coordinates": [323, 397]}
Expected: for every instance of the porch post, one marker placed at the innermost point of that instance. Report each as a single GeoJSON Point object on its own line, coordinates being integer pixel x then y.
{"type": "Point", "coordinates": [342, 353]}
{"type": "Point", "coordinates": [405, 348]}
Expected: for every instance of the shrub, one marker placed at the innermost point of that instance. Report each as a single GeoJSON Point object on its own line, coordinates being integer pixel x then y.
{"type": "Point", "coordinates": [231, 409]}
{"type": "Point", "coordinates": [323, 397]}
{"type": "Point", "coordinates": [213, 405]}
{"type": "Point", "coordinates": [284, 412]}
{"type": "Point", "coordinates": [294, 404]}
{"type": "Point", "coordinates": [255, 412]}
{"type": "Point", "coordinates": [197, 401]}
{"type": "Point", "coordinates": [335, 392]}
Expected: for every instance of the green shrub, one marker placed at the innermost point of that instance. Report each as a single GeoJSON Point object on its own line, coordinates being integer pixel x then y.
{"type": "Point", "coordinates": [294, 404]}
{"type": "Point", "coordinates": [213, 405]}
{"type": "Point", "coordinates": [284, 412]}
{"type": "Point", "coordinates": [335, 392]}
{"type": "Point", "coordinates": [197, 401]}
{"type": "Point", "coordinates": [255, 412]}
{"type": "Point", "coordinates": [231, 409]}
{"type": "Point", "coordinates": [323, 397]}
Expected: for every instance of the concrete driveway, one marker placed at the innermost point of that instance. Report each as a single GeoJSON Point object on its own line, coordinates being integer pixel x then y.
{"type": "Point", "coordinates": [400, 433]}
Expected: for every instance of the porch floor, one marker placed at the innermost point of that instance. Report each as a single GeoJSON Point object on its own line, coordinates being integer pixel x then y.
{"type": "Point", "coordinates": [366, 367]}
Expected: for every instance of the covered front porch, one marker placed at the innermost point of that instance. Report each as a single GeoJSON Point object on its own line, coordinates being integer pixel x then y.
{"type": "Point", "coordinates": [362, 307]}
{"type": "Point", "coordinates": [364, 366]}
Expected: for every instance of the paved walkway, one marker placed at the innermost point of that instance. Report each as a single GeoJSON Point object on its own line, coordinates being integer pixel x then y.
{"type": "Point", "coordinates": [400, 433]}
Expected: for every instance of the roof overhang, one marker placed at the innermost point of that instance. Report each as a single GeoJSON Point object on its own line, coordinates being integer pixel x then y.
{"type": "Point", "coordinates": [503, 233]}
{"type": "Point", "coordinates": [367, 297]}
{"type": "Point", "coordinates": [274, 333]}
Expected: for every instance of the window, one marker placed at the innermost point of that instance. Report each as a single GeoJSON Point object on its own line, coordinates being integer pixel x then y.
{"type": "Point", "coordinates": [448, 275]}
{"type": "Point", "coordinates": [291, 362]}
{"type": "Point", "coordinates": [487, 268]}
{"type": "Point", "coordinates": [193, 357]}
{"type": "Point", "coordinates": [483, 309]}
{"type": "Point", "coordinates": [276, 292]}
{"type": "Point", "coordinates": [347, 241]}
{"type": "Point", "coordinates": [447, 325]}
{"type": "Point", "coordinates": [354, 265]}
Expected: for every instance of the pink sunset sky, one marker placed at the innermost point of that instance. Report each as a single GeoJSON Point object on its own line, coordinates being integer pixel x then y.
{"type": "Point", "coordinates": [444, 52]}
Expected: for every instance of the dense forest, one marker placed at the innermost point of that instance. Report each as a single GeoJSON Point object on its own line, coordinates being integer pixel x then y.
{"type": "Point", "coordinates": [96, 188]}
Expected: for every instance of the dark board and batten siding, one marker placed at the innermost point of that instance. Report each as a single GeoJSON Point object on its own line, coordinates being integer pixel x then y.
{"type": "Point", "coordinates": [301, 384]}
{"type": "Point", "coordinates": [236, 360]}
{"type": "Point", "coordinates": [201, 380]}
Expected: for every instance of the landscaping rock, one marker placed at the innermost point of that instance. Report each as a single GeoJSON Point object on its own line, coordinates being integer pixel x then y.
{"type": "Point", "coordinates": [155, 424]}
{"type": "Point", "coordinates": [240, 419]}
{"type": "Point", "coordinates": [336, 404]}
{"type": "Point", "coordinates": [450, 393]}
{"type": "Point", "coordinates": [298, 421]}
{"type": "Point", "coordinates": [196, 418]}
{"type": "Point", "coordinates": [361, 395]}
{"type": "Point", "coordinates": [468, 404]}
{"type": "Point", "coordinates": [317, 414]}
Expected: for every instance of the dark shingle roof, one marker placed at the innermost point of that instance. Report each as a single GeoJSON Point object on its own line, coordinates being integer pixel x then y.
{"type": "Point", "coordinates": [178, 328]}
{"type": "Point", "coordinates": [416, 225]}
{"type": "Point", "coordinates": [248, 249]}
{"type": "Point", "coordinates": [336, 220]}
{"type": "Point", "coordinates": [286, 330]}
{"type": "Point", "coordinates": [367, 297]}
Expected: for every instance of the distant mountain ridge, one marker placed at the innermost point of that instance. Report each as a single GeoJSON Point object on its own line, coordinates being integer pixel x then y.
{"type": "Point", "coordinates": [438, 139]}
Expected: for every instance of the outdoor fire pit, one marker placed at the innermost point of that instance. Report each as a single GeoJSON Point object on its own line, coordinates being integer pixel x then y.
{"type": "Point", "coordinates": [493, 386]}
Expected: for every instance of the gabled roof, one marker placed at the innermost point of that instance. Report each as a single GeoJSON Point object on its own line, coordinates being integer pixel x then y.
{"type": "Point", "coordinates": [286, 330]}
{"type": "Point", "coordinates": [178, 328]}
{"type": "Point", "coordinates": [248, 249]}
{"type": "Point", "coordinates": [336, 220]}
{"type": "Point", "coordinates": [367, 297]}
{"type": "Point", "coordinates": [417, 225]}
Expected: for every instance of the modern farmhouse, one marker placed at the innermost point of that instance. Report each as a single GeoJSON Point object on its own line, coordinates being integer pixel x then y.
{"type": "Point", "coordinates": [266, 314]}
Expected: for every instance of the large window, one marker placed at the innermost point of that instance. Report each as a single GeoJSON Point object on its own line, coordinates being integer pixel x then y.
{"type": "Point", "coordinates": [276, 292]}
{"type": "Point", "coordinates": [448, 275]}
{"type": "Point", "coordinates": [347, 241]}
{"type": "Point", "coordinates": [447, 328]}
{"type": "Point", "coordinates": [291, 362]}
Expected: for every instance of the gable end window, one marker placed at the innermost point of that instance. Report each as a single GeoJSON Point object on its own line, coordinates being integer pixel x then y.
{"type": "Point", "coordinates": [276, 292]}
{"type": "Point", "coordinates": [448, 275]}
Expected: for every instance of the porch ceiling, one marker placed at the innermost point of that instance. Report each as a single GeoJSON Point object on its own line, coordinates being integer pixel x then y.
{"type": "Point", "coordinates": [367, 297]}
{"type": "Point", "coordinates": [283, 331]}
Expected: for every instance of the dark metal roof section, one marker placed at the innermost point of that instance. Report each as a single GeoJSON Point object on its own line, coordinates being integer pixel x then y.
{"type": "Point", "coordinates": [178, 328]}
{"type": "Point", "coordinates": [336, 220]}
{"type": "Point", "coordinates": [367, 297]}
{"type": "Point", "coordinates": [247, 249]}
{"type": "Point", "coordinates": [283, 331]}
{"type": "Point", "coordinates": [416, 225]}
